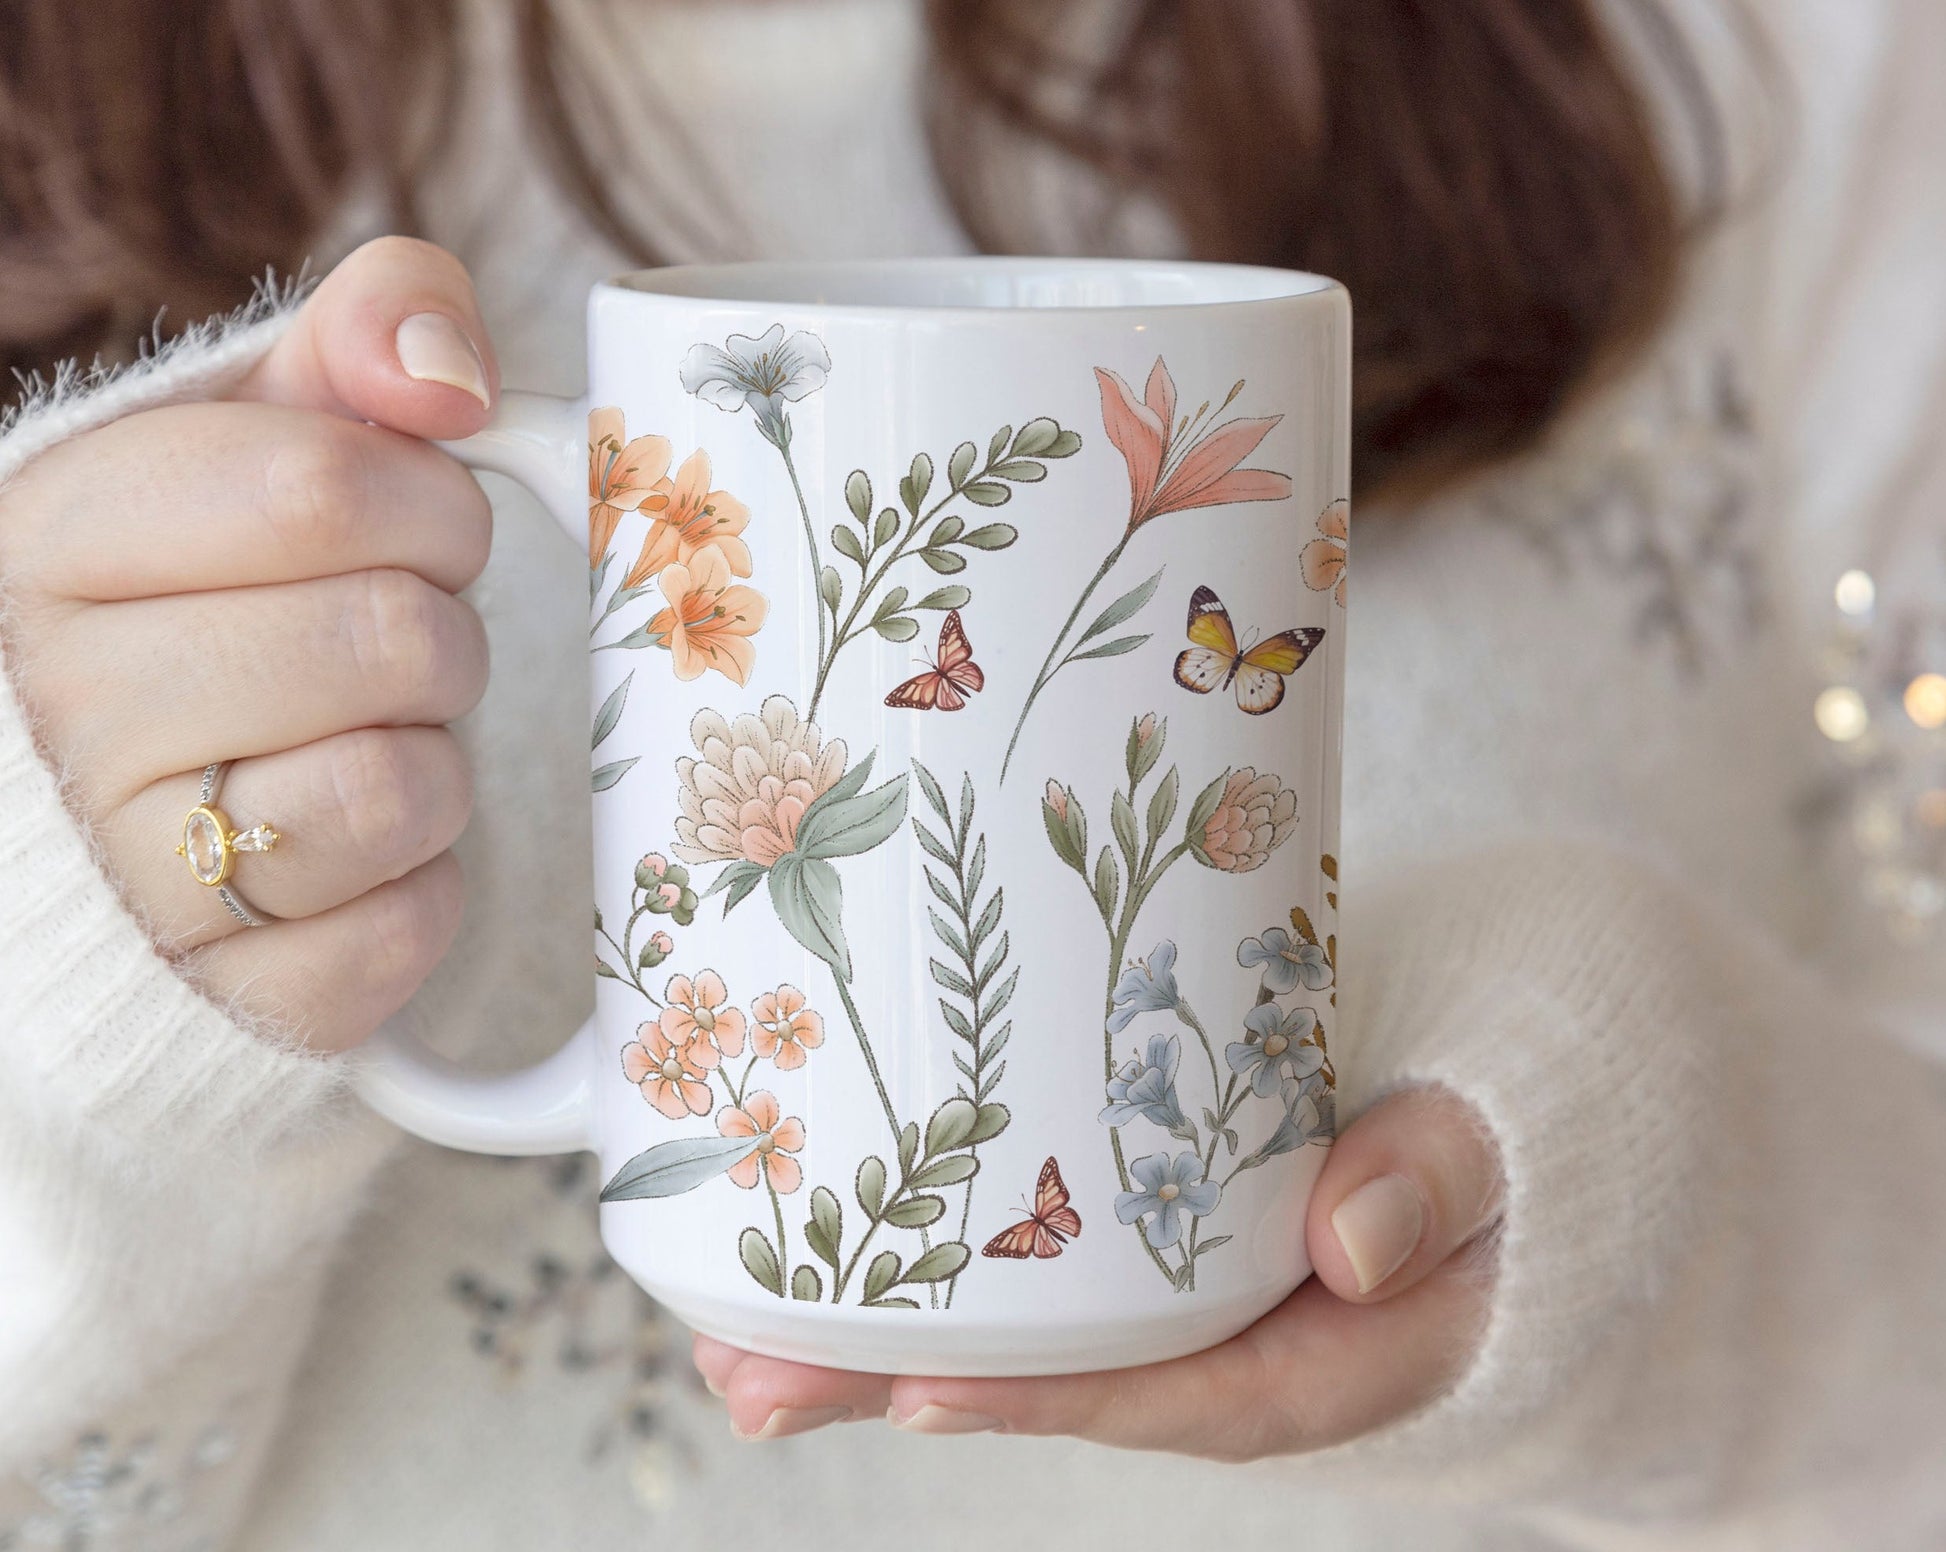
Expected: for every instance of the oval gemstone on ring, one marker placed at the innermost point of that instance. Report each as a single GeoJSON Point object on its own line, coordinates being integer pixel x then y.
{"type": "Point", "coordinates": [203, 845]}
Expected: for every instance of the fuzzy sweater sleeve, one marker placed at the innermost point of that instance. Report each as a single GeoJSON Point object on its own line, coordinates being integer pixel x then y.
{"type": "Point", "coordinates": [1716, 1307]}
{"type": "Point", "coordinates": [163, 1167]}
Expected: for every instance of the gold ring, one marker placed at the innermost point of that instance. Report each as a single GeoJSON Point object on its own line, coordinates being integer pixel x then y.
{"type": "Point", "coordinates": [211, 844]}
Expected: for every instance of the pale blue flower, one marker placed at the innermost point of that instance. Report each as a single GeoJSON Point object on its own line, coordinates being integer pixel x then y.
{"type": "Point", "coordinates": [1169, 1185]}
{"type": "Point", "coordinates": [1310, 1115]}
{"type": "Point", "coordinates": [1145, 1086]}
{"type": "Point", "coordinates": [1147, 986]}
{"type": "Point", "coordinates": [1271, 1048]}
{"type": "Point", "coordinates": [764, 373]}
{"type": "Point", "coordinates": [1286, 959]}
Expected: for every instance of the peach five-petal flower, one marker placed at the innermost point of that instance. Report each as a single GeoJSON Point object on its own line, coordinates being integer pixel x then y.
{"type": "Point", "coordinates": [1326, 560]}
{"type": "Point", "coordinates": [786, 1031]}
{"type": "Point", "coordinates": [699, 1020]}
{"type": "Point", "coordinates": [758, 1118]}
{"type": "Point", "coordinates": [666, 1073]}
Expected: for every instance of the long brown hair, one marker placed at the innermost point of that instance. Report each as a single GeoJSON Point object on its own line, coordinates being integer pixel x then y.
{"type": "Point", "coordinates": [1485, 175]}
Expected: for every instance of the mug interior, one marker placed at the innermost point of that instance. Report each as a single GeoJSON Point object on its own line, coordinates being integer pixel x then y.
{"type": "Point", "coordinates": [981, 283]}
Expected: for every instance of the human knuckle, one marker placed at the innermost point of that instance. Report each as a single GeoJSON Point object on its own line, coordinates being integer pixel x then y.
{"type": "Point", "coordinates": [402, 933]}
{"type": "Point", "coordinates": [394, 248]}
{"type": "Point", "coordinates": [402, 634]}
{"type": "Point", "coordinates": [315, 489]}
{"type": "Point", "coordinates": [380, 805]}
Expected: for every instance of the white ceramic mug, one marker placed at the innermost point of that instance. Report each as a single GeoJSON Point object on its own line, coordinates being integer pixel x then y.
{"type": "Point", "coordinates": [967, 655]}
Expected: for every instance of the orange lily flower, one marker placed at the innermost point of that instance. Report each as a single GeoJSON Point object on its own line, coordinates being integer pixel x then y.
{"type": "Point", "coordinates": [1167, 473]}
{"type": "Point", "coordinates": [622, 477]}
{"type": "Point", "coordinates": [692, 515]}
{"type": "Point", "coordinates": [709, 619]}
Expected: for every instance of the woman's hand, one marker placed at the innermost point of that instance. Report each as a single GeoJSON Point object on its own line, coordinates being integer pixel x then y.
{"type": "Point", "coordinates": [270, 580]}
{"type": "Point", "coordinates": [1399, 1230]}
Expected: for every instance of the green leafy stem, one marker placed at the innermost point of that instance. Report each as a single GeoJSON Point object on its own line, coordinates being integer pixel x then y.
{"type": "Point", "coordinates": [978, 992]}
{"type": "Point", "coordinates": [942, 1158]}
{"type": "Point", "coordinates": [874, 544]}
{"type": "Point", "coordinates": [1132, 862]}
{"type": "Point", "coordinates": [1089, 645]}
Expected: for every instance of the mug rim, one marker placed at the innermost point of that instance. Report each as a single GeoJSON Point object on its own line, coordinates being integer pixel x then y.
{"type": "Point", "coordinates": [802, 284]}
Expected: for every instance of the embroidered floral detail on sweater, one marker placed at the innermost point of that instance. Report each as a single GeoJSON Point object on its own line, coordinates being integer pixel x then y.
{"type": "Point", "coordinates": [1656, 494]}
{"type": "Point", "coordinates": [572, 1311]}
{"type": "Point", "coordinates": [109, 1494]}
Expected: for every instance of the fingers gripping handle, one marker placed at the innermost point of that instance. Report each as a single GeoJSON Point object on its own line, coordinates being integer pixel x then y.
{"type": "Point", "coordinates": [546, 1108]}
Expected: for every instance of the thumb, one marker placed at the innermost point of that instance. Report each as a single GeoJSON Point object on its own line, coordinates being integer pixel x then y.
{"type": "Point", "coordinates": [392, 336]}
{"type": "Point", "coordinates": [1412, 1180]}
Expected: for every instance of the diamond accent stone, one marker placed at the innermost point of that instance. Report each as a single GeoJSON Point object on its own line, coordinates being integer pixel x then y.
{"type": "Point", "coordinates": [202, 844]}
{"type": "Point", "coordinates": [260, 837]}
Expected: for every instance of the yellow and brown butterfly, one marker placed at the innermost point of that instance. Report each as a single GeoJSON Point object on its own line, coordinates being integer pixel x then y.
{"type": "Point", "coordinates": [1213, 659]}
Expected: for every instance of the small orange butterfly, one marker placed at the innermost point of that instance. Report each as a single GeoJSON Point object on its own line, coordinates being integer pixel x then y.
{"type": "Point", "coordinates": [953, 675]}
{"type": "Point", "coordinates": [1213, 658]}
{"type": "Point", "coordinates": [1047, 1228]}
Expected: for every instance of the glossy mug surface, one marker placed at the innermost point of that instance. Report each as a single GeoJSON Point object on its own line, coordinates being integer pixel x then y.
{"type": "Point", "coordinates": [966, 643]}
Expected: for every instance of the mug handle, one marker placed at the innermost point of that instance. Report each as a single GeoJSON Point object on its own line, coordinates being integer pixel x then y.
{"type": "Point", "coordinates": [540, 441]}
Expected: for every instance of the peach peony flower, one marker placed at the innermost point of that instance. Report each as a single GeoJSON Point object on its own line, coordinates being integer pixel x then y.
{"type": "Point", "coordinates": [710, 620]}
{"type": "Point", "coordinates": [1167, 474]}
{"type": "Point", "coordinates": [699, 1021]}
{"type": "Point", "coordinates": [1057, 799]}
{"type": "Point", "coordinates": [692, 516]}
{"type": "Point", "coordinates": [666, 1074]}
{"type": "Point", "coordinates": [1253, 818]}
{"type": "Point", "coordinates": [742, 800]}
{"type": "Point", "coordinates": [776, 1139]}
{"type": "Point", "coordinates": [1325, 560]}
{"type": "Point", "coordinates": [786, 1031]}
{"type": "Point", "coordinates": [622, 477]}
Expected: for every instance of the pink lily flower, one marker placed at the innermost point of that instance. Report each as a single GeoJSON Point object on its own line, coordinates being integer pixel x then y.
{"type": "Point", "coordinates": [1204, 471]}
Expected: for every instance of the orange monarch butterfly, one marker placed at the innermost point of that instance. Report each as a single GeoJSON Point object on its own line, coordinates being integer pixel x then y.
{"type": "Point", "coordinates": [953, 672]}
{"type": "Point", "coordinates": [1049, 1226]}
{"type": "Point", "coordinates": [1214, 659]}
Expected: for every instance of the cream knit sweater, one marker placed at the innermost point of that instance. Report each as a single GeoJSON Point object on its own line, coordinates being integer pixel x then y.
{"type": "Point", "coordinates": [1581, 891]}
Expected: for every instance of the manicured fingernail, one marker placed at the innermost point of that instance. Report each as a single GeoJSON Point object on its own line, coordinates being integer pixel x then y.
{"type": "Point", "coordinates": [786, 1421]}
{"type": "Point", "coordinates": [1380, 1225]}
{"type": "Point", "coordinates": [939, 1419]}
{"type": "Point", "coordinates": [721, 1392]}
{"type": "Point", "coordinates": [434, 349]}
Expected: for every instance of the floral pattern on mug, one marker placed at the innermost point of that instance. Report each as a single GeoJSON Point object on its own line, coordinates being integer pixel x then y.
{"type": "Point", "coordinates": [762, 373]}
{"type": "Point", "coordinates": [755, 777]}
{"type": "Point", "coordinates": [1326, 560]}
{"type": "Point", "coordinates": [699, 1019]}
{"type": "Point", "coordinates": [709, 619]}
{"type": "Point", "coordinates": [691, 515]}
{"type": "Point", "coordinates": [786, 1031]}
{"type": "Point", "coordinates": [1252, 818]}
{"type": "Point", "coordinates": [771, 808]}
{"type": "Point", "coordinates": [622, 476]}
{"type": "Point", "coordinates": [1286, 960]}
{"type": "Point", "coordinates": [1170, 1187]}
{"type": "Point", "coordinates": [1277, 1044]}
{"type": "Point", "coordinates": [775, 1140]}
{"type": "Point", "coordinates": [668, 1074]}
{"type": "Point", "coordinates": [1174, 465]}
{"type": "Point", "coordinates": [1233, 825]}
